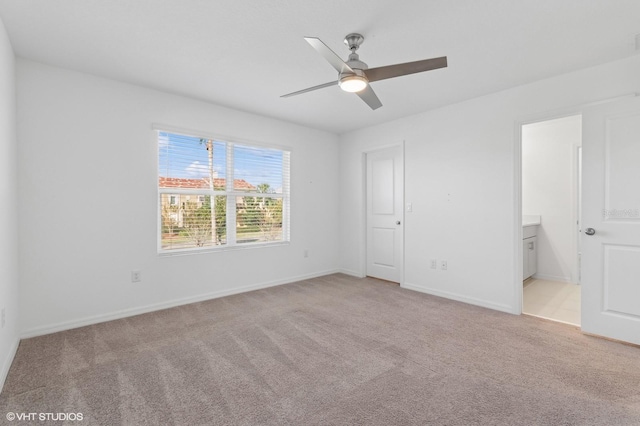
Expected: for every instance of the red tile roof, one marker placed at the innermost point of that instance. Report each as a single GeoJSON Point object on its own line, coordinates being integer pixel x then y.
{"type": "Point", "coordinates": [218, 183]}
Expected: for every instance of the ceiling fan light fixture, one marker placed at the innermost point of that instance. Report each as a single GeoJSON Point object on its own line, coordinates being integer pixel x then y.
{"type": "Point", "coordinates": [353, 83]}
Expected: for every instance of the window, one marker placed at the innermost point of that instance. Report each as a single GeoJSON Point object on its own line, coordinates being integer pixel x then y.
{"type": "Point", "coordinates": [215, 193]}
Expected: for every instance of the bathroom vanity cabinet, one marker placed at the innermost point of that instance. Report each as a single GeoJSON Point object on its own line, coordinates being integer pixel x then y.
{"type": "Point", "coordinates": [529, 257]}
{"type": "Point", "coordinates": [529, 247]}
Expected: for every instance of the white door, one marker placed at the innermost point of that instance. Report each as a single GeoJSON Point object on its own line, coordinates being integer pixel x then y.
{"type": "Point", "coordinates": [611, 220]}
{"type": "Point", "coordinates": [385, 178]}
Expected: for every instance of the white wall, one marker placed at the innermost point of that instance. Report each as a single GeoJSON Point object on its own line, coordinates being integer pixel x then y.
{"type": "Point", "coordinates": [88, 197]}
{"type": "Point", "coordinates": [8, 206]}
{"type": "Point", "coordinates": [462, 169]}
{"type": "Point", "coordinates": [550, 189]}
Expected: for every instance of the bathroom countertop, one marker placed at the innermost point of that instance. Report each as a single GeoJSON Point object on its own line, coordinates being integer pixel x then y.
{"type": "Point", "coordinates": [530, 220]}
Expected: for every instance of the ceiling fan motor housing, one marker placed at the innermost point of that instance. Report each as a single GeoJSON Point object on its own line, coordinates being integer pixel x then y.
{"type": "Point", "coordinates": [355, 63]}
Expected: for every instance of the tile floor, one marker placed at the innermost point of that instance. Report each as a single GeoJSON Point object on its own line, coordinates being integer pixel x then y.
{"type": "Point", "coordinates": [553, 300]}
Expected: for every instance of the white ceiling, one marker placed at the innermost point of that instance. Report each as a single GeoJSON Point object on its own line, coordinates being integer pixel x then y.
{"type": "Point", "coordinates": [244, 54]}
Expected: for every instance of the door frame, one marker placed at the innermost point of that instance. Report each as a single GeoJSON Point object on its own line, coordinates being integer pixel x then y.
{"type": "Point", "coordinates": [363, 241]}
{"type": "Point", "coordinates": [517, 179]}
{"type": "Point", "coordinates": [578, 225]}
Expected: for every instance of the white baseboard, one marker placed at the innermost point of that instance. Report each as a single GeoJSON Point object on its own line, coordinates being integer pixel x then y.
{"type": "Point", "coordinates": [6, 365]}
{"type": "Point", "coordinates": [460, 298]}
{"type": "Point", "coordinates": [68, 325]}
{"type": "Point", "coordinates": [567, 280]}
{"type": "Point", "coordinates": [351, 273]}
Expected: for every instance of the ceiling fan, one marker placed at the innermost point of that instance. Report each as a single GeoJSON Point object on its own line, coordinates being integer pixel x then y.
{"type": "Point", "coordinates": [354, 75]}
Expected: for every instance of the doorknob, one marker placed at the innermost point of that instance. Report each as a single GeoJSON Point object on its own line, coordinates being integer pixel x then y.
{"type": "Point", "coordinates": [590, 231]}
{"type": "Point", "coordinates": [397, 222]}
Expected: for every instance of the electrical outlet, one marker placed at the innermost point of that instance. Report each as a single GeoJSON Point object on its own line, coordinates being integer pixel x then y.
{"type": "Point", "coordinates": [2, 318]}
{"type": "Point", "coordinates": [434, 264]}
{"type": "Point", "coordinates": [443, 265]}
{"type": "Point", "coordinates": [306, 252]}
{"type": "Point", "coordinates": [136, 276]}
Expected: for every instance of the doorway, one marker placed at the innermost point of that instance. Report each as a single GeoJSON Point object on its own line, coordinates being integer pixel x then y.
{"type": "Point", "coordinates": [384, 213]}
{"type": "Point", "coordinates": [551, 167]}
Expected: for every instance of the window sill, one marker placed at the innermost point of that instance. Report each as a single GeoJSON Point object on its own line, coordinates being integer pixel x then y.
{"type": "Point", "coordinates": [219, 249]}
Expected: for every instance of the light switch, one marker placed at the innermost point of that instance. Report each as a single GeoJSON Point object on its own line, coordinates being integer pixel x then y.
{"type": "Point", "coordinates": [409, 207]}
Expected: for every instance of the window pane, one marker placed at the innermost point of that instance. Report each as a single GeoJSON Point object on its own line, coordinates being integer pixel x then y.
{"type": "Point", "coordinates": [189, 222]}
{"type": "Point", "coordinates": [257, 169]}
{"type": "Point", "coordinates": [259, 219]}
{"type": "Point", "coordinates": [193, 172]}
{"type": "Point", "coordinates": [190, 162]}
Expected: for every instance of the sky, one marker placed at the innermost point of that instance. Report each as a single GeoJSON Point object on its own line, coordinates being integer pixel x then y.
{"type": "Point", "coordinates": [186, 157]}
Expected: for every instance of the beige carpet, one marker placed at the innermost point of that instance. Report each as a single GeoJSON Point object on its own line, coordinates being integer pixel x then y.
{"type": "Point", "coordinates": [328, 351]}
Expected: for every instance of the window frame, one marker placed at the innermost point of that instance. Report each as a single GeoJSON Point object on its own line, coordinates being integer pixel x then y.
{"type": "Point", "coordinates": [229, 192]}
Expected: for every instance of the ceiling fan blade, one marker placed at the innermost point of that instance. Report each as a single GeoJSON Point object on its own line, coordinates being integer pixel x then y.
{"type": "Point", "coordinates": [370, 97]}
{"type": "Point", "coordinates": [390, 71]}
{"type": "Point", "coordinates": [329, 55]}
{"type": "Point", "coordinates": [320, 86]}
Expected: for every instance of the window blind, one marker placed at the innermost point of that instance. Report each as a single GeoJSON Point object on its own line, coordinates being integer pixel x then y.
{"type": "Point", "coordinates": [215, 193]}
